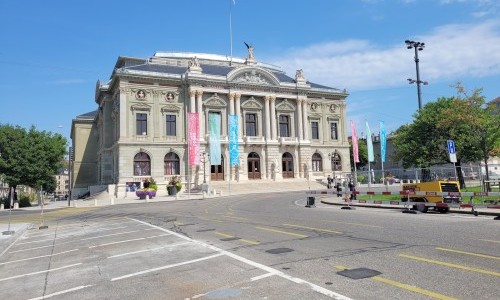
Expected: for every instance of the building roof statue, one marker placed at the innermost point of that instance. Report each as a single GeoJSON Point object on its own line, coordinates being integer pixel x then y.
{"type": "Point", "coordinates": [251, 58]}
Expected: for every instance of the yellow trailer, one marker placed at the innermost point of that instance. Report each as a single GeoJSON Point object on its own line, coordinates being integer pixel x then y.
{"type": "Point", "coordinates": [428, 194]}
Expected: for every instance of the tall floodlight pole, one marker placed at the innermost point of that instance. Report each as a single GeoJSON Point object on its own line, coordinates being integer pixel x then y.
{"type": "Point", "coordinates": [418, 46]}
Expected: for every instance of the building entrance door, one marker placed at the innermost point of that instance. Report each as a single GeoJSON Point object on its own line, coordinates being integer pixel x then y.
{"type": "Point", "coordinates": [217, 171]}
{"type": "Point", "coordinates": [287, 165]}
{"type": "Point", "coordinates": [253, 166]}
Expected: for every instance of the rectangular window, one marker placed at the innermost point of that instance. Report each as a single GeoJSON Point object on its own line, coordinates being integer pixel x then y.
{"type": "Point", "coordinates": [171, 125]}
{"type": "Point", "coordinates": [284, 126]}
{"type": "Point", "coordinates": [315, 131]}
{"type": "Point", "coordinates": [251, 124]}
{"type": "Point", "coordinates": [334, 131]}
{"type": "Point", "coordinates": [141, 122]}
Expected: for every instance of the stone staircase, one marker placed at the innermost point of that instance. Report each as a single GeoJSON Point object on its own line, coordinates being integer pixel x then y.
{"type": "Point", "coordinates": [265, 186]}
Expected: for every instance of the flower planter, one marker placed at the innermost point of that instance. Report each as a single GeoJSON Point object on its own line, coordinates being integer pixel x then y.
{"type": "Point", "coordinates": [172, 190]}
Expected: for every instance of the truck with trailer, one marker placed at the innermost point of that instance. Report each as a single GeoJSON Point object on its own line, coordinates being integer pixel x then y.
{"type": "Point", "coordinates": [427, 195]}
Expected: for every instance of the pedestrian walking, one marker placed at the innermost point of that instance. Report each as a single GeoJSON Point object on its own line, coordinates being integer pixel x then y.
{"type": "Point", "coordinates": [339, 189]}
{"type": "Point", "coordinates": [352, 189]}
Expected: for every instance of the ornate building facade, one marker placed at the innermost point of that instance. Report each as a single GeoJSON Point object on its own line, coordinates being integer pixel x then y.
{"type": "Point", "coordinates": [287, 127]}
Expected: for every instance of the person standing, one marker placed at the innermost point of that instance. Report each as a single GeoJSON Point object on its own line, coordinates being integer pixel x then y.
{"type": "Point", "coordinates": [352, 189]}
{"type": "Point", "coordinates": [329, 181]}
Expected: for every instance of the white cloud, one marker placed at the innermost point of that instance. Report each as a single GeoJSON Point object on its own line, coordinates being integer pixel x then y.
{"type": "Point", "coordinates": [452, 51]}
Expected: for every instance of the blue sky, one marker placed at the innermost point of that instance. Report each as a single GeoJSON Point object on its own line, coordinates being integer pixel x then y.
{"type": "Point", "coordinates": [53, 51]}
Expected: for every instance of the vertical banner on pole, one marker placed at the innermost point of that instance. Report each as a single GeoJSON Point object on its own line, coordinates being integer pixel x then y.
{"type": "Point", "coordinates": [369, 143]}
{"type": "Point", "coordinates": [193, 139]}
{"type": "Point", "coordinates": [234, 156]}
{"type": "Point", "coordinates": [383, 140]}
{"type": "Point", "coordinates": [354, 143]}
{"type": "Point", "coordinates": [215, 151]}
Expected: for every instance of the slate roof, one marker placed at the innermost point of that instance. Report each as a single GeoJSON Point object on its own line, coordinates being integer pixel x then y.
{"type": "Point", "coordinates": [211, 70]}
{"type": "Point", "coordinates": [88, 116]}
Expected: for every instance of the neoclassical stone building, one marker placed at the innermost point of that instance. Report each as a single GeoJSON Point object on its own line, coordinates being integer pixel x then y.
{"type": "Point", "coordinates": [288, 127]}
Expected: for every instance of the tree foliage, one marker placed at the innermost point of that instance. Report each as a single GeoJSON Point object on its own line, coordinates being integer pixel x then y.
{"type": "Point", "coordinates": [30, 157]}
{"type": "Point", "coordinates": [465, 119]}
{"type": "Point", "coordinates": [362, 153]}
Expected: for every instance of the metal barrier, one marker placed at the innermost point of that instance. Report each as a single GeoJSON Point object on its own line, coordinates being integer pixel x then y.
{"type": "Point", "coordinates": [407, 193]}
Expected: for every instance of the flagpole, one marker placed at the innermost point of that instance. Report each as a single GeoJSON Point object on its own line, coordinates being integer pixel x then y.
{"type": "Point", "coordinates": [231, 32]}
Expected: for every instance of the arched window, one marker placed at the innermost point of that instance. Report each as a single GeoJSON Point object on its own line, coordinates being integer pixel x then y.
{"type": "Point", "coordinates": [336, 162]}
{"type": "Point", "coordinates": [317, 165]}
{"type": "Point", "coordinates": [171, 164]}
{"type": "Point", "coordinates": [142, 164]}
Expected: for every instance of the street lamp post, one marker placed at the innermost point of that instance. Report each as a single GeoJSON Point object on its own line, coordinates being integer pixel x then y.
{"type": "Point", "coordinates": [204, 158]}
{"type": "Point", "coordinates": [418, 46]}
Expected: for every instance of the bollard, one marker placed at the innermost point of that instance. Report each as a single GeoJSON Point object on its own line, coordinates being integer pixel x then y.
{"type": "Point", "coordinates": [95, 202]}
{"type": "Point", "coordinates": [310, 201]}
{"type": "Point", "coordinates": [112, 201]}
{"type": "Point", "coordinates": [1, 206]}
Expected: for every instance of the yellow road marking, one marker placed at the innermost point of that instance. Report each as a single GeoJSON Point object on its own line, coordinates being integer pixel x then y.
{"type": "Point", "coordinates": [405, 286]}
{"type": "Point", "coordinates": [237, 218]}
{"type": "Point", "coordinates": [224, 234]}
{"type": "Point", "coordinates": [250, 242]}
{"type": "Point", "coordinates": [468, 253]}
{"type": "Point", "coordinates": [411, 288]}
{"type": "Point", "coordinates": [451, 265]}
{"type": "Point", "coordinates": [357, 224]}
{"type": "Point", "coordinates": [212, 220]}
{"type": "Point", "coordinates": [283, 232]}
{"type": "Point", "coordinates": [232, 236]}
{"type": "Point", "coordinates": [491, 241]}
{"type": "Point", "coordinates": [312, 228]}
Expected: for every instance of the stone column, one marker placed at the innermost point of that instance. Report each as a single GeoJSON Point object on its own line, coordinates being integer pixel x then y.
{"type": "Point", "coordinates": [199, 104]}
{"type": "Point", "coordinates": [304, 119]}
{"type": "Point", "coordinates": [123, 113]}
{"type": "Point", "coordinates": [231, 103]}
{"type": "Point", "coordinates": [238, 113]}
{"type": "Point", "coordinates": [274, 135]}
{"type": "Point", "coordinates": [299, 118]}
{"type": "Point", "coordinates": [267, 122]}
{"type": "Point", "coordinates": [192, 103]}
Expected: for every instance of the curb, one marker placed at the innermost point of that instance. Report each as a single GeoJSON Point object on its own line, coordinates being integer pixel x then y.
{"type": "Point", "coordinates": [7, 242]}
{"type": "Point", "coordinates": [467, 212]}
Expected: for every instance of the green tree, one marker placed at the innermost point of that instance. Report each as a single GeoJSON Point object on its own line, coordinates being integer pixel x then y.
{"type": "Point", "coordinates": [464, 119]}
{"type": "Point", "coordinates": [31, 157]}
{"type": "Point", "coordinates": [362, 153]}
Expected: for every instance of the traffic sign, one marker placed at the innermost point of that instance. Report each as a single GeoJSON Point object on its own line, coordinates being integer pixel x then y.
{"type": "Point", "coordinates": [451, 147]}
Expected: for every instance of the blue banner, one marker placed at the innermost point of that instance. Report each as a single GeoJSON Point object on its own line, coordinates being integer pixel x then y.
{"type": "Point", "coordinates": [215, 151]}
{"type": "Point", "coordinates": [383, 139]}
{"type": "Point", "coordinates": [369, 143]}
{"type": "Point", "coordinates": [234, 156]}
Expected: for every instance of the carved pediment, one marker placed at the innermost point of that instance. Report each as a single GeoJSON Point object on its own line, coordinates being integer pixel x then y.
{"type": "Point", "coordinates": [215, 101]}
{"type": "Point", "coordinates": [140, 106]}
{"type": "Point", "coordinates": [170, 108]}
{"type": "Point", "coordinates": [252, 103]}
{"type": "Point", "coordinates": [285, 106]}
{"type": "Point", "coordinates": [252, 75]}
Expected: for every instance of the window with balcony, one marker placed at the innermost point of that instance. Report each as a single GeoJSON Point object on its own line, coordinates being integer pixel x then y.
{"type": "Point", "coordinates": [284, 121]}
{"type": "Point", "coordinates": [251, 124]}
{"type": "Point", "coordinates": [171, 125]}
{"type": "Point", "coordinates": [314, 130]}
{"type": "Point", "coordinates": [141, 124]}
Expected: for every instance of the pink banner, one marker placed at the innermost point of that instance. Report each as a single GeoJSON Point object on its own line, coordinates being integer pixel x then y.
{"type": "Point", "coordinates": [354, 143]}
{"type": "Point", "coordinates": [193, 139]}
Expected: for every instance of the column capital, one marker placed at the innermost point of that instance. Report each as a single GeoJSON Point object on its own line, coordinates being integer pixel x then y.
{"type": "Point", "coordinates": [199, 93]}
{"type": "Point", "coordinates": [232, 96]}
{"type": "Point", "coordinates": [267, 98]}
{"type": "Point", "coordinates": [237, 96]}
{"type": "Point", "coordinates": [192, 93]}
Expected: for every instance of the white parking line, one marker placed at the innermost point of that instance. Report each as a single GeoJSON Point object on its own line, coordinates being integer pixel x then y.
{"type": "Point", "coordinates": [167, 267]}
{"type": "Point", "coordinates": [262, 276]}
{"type": "Point", "coordinates": [61, 292]}
{"type": "Point", "coordinates": [126, 241]}
{"type": "Point", "coordinates": [39, 272]}
{"type": "Point", "coordinates": [19, 260]}
{"type": "Point", "coordinates": [146, 250]}
{"type": "Point", "coordinates": [40, 247]}
{"type": "Point", "coordinates": [313, 286]}
{"type": "Point", "coordinates": [112, 234]}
